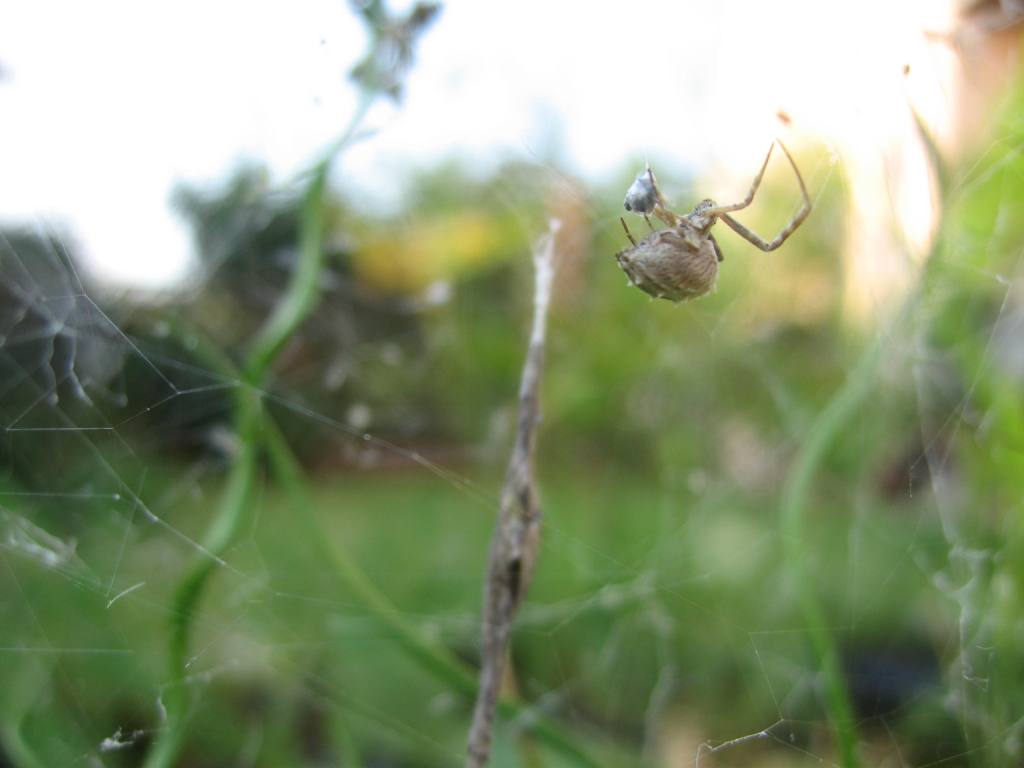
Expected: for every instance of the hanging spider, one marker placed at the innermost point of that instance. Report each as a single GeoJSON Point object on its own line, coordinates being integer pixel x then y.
{"type": "Point", "coordinates": [681, 261]}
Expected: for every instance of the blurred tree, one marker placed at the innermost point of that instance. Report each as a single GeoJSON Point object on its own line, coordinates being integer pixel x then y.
{"type": "Point", "coordinates": [378, 351]}
{"type": "Point", "coordinates": [60, 355]}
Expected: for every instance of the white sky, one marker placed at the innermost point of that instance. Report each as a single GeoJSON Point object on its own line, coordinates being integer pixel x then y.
{"type": "Point", "coordinates": [105, 105]}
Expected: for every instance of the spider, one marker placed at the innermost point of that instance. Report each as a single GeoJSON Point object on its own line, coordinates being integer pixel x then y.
{"type": "Point", "coordinates": [681, 261]}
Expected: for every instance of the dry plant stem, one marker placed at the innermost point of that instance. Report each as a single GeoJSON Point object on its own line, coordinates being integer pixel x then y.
{"type": "Point", "coordinates": [351, 578]}
{"type": "Point", "coordinates": [436, 659]}
{"type": "Point", "coordinates": [516, 539]}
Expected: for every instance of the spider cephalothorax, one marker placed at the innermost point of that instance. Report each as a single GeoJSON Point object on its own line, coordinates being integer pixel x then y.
{"type": "Point", "coordinates": [681, 261]}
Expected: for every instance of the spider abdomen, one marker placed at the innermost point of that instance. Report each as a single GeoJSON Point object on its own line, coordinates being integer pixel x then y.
{"type": "Point", "coordinates": [675, 264]}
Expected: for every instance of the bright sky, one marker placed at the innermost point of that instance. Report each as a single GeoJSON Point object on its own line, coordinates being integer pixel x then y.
{"type": "Point", "coordinates": [105, 105]}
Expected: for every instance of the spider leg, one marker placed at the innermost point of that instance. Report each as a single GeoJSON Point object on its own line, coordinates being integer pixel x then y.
{"type": "Point", "coordinates": [718, 210]}
{"type": "Point", "coordinates": [628, 234]}
{"type": "Point", "coordinates": [714, 244]}
{"type": "Point", "coordinates": [648, 220]}
{"type": "Point", "coordinates": [670, 219]}
{"type": "Point", "coordinates": [796, 221]}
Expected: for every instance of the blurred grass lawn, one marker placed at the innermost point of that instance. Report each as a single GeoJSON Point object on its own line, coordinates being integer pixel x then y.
{"type": "Point", "coordinates": [661, 614]}
{"type": "Point", "coordinates": [633, 582]}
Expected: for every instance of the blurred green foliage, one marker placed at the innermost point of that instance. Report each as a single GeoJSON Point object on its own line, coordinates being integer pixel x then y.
{"type": "Point", "coordinates": [976, 317]}
{"type": "Point", "coordinates": [661, 615]}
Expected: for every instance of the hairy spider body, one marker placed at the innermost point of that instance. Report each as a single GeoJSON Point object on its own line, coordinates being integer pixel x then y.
{"type": "Point", "coordinates": [676, 263]}
{"type": "Point", "coordinates": [681, 261]}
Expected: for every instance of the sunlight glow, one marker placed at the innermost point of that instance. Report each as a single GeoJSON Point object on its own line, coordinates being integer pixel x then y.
{"type": "Point", "coordinates": [100, 126]}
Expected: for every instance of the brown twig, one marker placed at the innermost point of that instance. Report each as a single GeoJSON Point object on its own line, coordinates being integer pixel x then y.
{"type": "Point", "coordinates": [517, 535]}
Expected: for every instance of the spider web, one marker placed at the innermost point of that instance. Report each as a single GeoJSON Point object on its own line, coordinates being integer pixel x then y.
{"type": "Point", "coordinates": [662, 621]}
